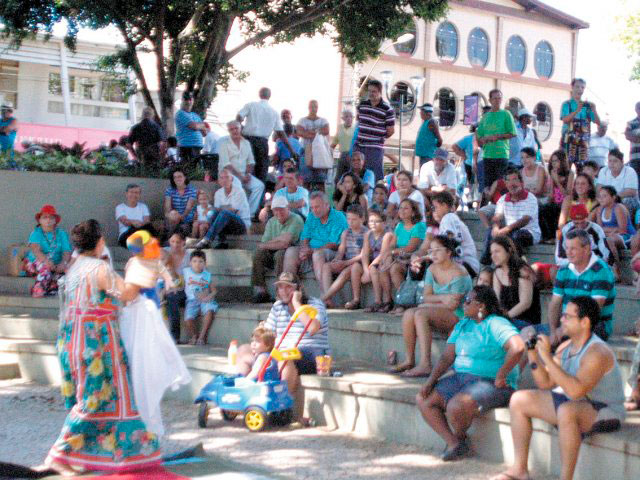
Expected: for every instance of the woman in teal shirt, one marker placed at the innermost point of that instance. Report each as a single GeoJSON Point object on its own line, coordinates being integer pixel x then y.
{"type": "Point", "coordinates": [445, 285]}
{"type": "Point", "coordinates": [409, 234]}
{"type": "Point", "coordinates": [484, 349]}
{"type": "Point", "coordinates": [49, 252]}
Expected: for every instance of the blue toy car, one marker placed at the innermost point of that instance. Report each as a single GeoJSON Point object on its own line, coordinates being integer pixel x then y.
{"type": "Point", "coordinates": [261, 403]}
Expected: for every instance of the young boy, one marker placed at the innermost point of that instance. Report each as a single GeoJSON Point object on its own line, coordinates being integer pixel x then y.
{"type": "Point", "coordinates": [200, 298]}
{"type": "Point", "coordinates": [349, 253]}
{"type": "Point", "coordinates": [262, 342]}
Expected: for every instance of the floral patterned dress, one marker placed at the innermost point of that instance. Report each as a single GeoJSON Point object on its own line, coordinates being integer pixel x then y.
{"type": "Point", "coordinates": [103, 431]}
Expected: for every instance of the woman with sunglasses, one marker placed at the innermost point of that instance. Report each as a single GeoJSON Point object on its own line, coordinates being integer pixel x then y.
{"type": "Point", "coordinates": [484, 349]}
{"type": "Point", "coordinates": [445, 285]}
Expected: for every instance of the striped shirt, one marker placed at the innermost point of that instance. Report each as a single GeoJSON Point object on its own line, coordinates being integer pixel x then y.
{"type": "Point", "coordinates": [632, 126]}
{"type": "Point", "coordinates": [514, 209]}
{"type": "Point", "coordinates": [279, 318]}
{"type": "Point", "coordinates": [373, 123]}
{"type": "Point", "coordinates": [179, 202]}
{"type": "Point", "coordinates": [596, 281]}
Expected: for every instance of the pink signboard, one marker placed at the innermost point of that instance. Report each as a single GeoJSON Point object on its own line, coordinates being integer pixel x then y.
{"type": "Point", "coordinates": [67, 136]}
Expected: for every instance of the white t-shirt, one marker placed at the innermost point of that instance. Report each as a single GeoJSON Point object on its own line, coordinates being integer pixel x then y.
{"type": "Point", "coordinates": [211, 143]}
{"type": "Point", "coordinates": [131, 213]}
{"type": "Point", "coordinates": [429, 178]}
{"type": "Point", "coordinates": [451, 224]}
{"type": "Point", "coordinates": [599, 148]}
{"type": "Point", "coordinates": [237, 199]}
{"type": "Point", "coordinates": [261, 119]}
{"type": "Point", "coordinates": [628, 178]}
{"type": "Point", "coordinates": [238, 156]}
{"type": "Point", "coordinates": [514, 211]}
{"type": "Point", "coordinates": [416, 196]}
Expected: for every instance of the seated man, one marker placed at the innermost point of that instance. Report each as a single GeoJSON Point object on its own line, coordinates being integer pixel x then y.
{"type": "Point", "coordinates": [235, 152]}
{"type": "Point", "coordinates": [586, 274]}
{"type": "Point", "coordinates": [320, 238]}
{"type": "Point", "coordinates": [580, 390]}
{"type": "Point", "coordinates": [366, 176]}
{"type": "Point", "coordinates": [516, 216]}
{"type": "Point", "coordinates": [231, 215]}
{"type": "Point", "coordinates": [438, 175]}
{"type": "Point", "coordinates": [296, 195]}
{"type": "Point", "coordinates": [132, 215]}
{"type": "Point", "coordinates": [623, 178]}
{"type": "Point", "coordinates": [282, 231]}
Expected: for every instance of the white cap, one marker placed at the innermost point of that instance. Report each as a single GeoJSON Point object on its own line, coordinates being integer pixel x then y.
{"type": "Point", "coordinates": [525, 111]}
{"type": "Point", "coordinates": [279, 201]}
{"type": "Point", "coordinates": [6, 106]}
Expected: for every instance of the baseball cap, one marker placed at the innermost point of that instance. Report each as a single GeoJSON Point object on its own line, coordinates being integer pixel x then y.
{"type": "Point", "coordinates": [427, 107]}
{"type": "Point", "coordinates": [6, 106]}
{"type": "Point", "coordinates": [279, 202]}
{"type": "Point", "coordinates": [578, 212]}
{"type": "Point", "coordinates": [288, 278]}
{"type": "Point", "coordinates": [525, 112]}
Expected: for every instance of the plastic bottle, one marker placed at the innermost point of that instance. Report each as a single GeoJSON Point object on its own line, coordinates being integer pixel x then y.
{"type": "Point", "coordinates": [232, 354]}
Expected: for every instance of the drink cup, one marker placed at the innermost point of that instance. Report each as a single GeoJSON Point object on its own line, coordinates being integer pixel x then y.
{"type": "Point", "coordinates": [323, 365]}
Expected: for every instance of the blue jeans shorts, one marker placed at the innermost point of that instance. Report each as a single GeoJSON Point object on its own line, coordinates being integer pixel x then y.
{"type": "Point", "coordinates": [194, 308]}
{"type": "Point", "coordinates": [481, 389]}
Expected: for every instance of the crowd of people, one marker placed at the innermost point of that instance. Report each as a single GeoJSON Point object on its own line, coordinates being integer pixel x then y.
{"type": "Point", "coordinates": [404, 237]}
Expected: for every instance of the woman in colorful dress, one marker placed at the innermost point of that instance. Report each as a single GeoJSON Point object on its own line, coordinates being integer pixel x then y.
{"type": "Point", "coordinates": [49, 252]}
{"type": "Point", "coordinates": [103, 431]}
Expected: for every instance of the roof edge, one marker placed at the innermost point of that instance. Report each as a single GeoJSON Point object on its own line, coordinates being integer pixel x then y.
{"type": "Point", "coordinates": [559, 15]}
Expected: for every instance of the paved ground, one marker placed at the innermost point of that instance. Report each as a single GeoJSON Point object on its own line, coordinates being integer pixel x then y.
{"type": "Point", "coordinates": [31, 417]}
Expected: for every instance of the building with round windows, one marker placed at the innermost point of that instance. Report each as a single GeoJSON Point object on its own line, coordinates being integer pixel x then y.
{"type": "Point", "coordinates": [523, 47]}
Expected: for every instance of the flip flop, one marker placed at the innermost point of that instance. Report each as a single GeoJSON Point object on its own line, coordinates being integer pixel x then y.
{"type": "Point", "coordinates": [415, 375]}
{"type": "Point", "coordinates": [400, 369]}
{"type": "Point", "coordinates": [352, 305]}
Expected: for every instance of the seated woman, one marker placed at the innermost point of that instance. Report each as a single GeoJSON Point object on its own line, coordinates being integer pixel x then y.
{"type": "Point", "coordinates": [534, 175]}
{"type": "Point", "coordinates": [349, 192]}
{"type": "Point", "coordinates": [49, 253]}
{"type": "Point", "coordinates": [484, 349]}
{"type": "Point", "coordinates": [561, 186]}
{"type": "Point", "coordinates": [349, 254]}
{"type": "Point", "coordinates": [445, 285]}
{"type": "Point", "coordinates": [404, 189]}
{"type": "Point", "coordinates": [515, 284]}
{"type": "Point", "coordinates": [179, 201]}
{"type": "Point", "coordinates": [584, 192]}
{"type": "Point", "coordinates": [408, 235]}
{"type": "Point", "coordinates": [380, 198]}
{"type": "Point", "coordinates": [615, 220]}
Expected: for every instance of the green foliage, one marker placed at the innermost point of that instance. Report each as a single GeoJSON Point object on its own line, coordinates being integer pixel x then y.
{"type": "Point", "coordinates": [630, 37]}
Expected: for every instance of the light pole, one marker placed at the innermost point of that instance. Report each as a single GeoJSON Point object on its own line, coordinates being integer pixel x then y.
{"type": "Point", "coordinates": [401, 105]}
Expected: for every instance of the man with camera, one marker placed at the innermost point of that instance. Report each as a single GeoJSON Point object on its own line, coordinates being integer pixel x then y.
{"type": "Point", "coordinates": [580, 389]}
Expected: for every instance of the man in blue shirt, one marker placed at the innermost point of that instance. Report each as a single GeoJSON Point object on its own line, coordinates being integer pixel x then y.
{"type": "Point", "coordinates": [8, 129]}
{"type": "Point", "coordinates": [466, 148]}
{"type": "Point", "coordinates": [319, 240]}
{"type": "Point", "coordinates": [428, 136]}
{"type": "Point", "coordinates": [190, 130]}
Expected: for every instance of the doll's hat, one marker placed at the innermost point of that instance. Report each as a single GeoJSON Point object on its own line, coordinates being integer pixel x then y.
{"type": "Point", "coordinates": [48, 210]}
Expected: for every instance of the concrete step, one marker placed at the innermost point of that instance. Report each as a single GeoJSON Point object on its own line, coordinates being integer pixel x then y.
{"type": "Point", "coordinates": [9, 368]}
{"type": "Point", "coordinates": [369, 402]}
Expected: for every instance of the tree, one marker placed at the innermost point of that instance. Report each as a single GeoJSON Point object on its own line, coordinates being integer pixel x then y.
{"type": "Point", "coordinates": [189, 38]}
{"type": "Point", "coordinates": [630, 37]}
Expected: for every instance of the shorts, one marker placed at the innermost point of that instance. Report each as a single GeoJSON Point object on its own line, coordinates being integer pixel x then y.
{"type": "Point", "coordinates": [307, 265]}
{"type": "Point", "coordinates": [194, 308]}
{"type": "Point", "coordinates": [599, 426]}
{"type": "Point", "coordinates": [481, 389]}
{"type": "Point", "coordinates": [307, 364]}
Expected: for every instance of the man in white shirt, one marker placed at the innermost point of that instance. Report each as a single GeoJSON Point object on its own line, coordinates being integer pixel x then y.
{"type": "Point", "coordinates": [210, 141]}
{"type": "Point", "coordinates": [516, 216]}
{"type": "Point", "coordinates": [438, 175]}
{"type": "Point", "coordinates": [234, 152]}
{"type": "Point", "coordinates": [231, 216]}
{"type": "Point", "coordinates": [621, 177]}
{"type": "Point", "coordinates": [132, 215]}
{"type": "Point", "coordinates": [600, 145]}
{"type": "Point", "coordinates": [261, 121]}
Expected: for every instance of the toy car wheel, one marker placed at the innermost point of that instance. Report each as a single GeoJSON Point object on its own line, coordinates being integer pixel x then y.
{"type": "Point", "coordinates": [282, 418]}
{"type": "Point", "coordinates": [228, 415]}
{"type": "Point", "coordinates": [255, 418]}
{"type": "Point", "coordinates": [203, 415]}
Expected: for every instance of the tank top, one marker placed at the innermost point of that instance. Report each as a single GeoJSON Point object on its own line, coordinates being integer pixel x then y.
{"type": "Point", "coordinates": [354, 243]}
{"type": "Point", "coordinates": [271, 373]}
{"type": "Point", "coordinates": [510, 297]}
{"type": "Point", "coordinates": [7, 141]}
{"type": "Point", "coordinates": [612, 222]}
{"type": "Point", "coordinates": [375, 246]}
{"type": "Point", "coordinates": [426, 143]}
{"type": "Point", "coordinates": [609, 390]}
{"type": "Point", "coordinates": [530, 183]}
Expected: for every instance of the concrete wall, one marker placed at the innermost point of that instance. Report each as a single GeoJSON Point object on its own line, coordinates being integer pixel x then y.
{"type": "Point", "coordinates": [76, 197]}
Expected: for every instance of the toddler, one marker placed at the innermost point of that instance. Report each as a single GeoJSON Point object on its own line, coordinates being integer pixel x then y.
{"type": "Point", "coordinates": [262, 342]}
{"type": "Point", "coordinates": [200, 294]}
{"type": "Point", "coordinates": [204, 212]}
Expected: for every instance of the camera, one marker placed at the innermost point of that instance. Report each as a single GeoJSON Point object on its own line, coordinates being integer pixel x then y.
{"type": "Point", "coordinates": [531, 343]}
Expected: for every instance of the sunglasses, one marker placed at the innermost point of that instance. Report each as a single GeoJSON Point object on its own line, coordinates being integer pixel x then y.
{"type": "Point", "coordinates": [469, 300]}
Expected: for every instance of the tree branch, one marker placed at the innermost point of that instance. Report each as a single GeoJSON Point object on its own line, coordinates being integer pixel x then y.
{"type": "Point", "coordinates": [291, 21]}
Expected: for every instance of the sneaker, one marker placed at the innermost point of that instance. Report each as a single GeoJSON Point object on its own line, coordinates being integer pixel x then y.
{"type": "Point", "coordinates": [221, 246]}
{"type": "Point", "coordinates": [204, 243]}
{"type": "Point", "coordinates": [191, 242]}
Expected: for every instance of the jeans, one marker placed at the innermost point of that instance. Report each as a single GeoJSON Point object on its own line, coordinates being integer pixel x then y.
{"type": "Point", "coordinates": [175, 300]}
{"type": "Point", "coordinates": [260, 148]}
{"type": "Point", "coordinates": [521, 237]}
{"type": "Point", "coordinates": [494, 168]}
{"type": "Point", "coordinates": [373, 158]}
{"type": "Point", "coordinates": [256, 192]}
{"type": "Point", "coordinates": [225, 223]}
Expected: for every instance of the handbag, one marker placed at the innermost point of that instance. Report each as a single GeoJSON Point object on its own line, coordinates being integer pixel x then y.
{"type": "Point", "coordinates": [321, 157]}
{"type": "Point", "coordinates": [410, 293]}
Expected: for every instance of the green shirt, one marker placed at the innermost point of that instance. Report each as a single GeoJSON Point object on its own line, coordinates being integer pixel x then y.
{"type": "Point", "coordinates": [596, 281]}
{"type": "Point", "coordinates": [274, 228]}
{"type": "Point", "coordinates": [403, 236]}
{"type": "Point", "coordinates": [344, 136]}
{"type": "Point", "coordinates": [496, 123]}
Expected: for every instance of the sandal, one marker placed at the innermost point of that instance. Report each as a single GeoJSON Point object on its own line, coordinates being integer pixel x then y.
{"type": "Point", "coordinates": [385, 307]}
{"type": "Point", "coordinates": [352, 305]}
{"type": "Point", "coordinates": [373, 308]}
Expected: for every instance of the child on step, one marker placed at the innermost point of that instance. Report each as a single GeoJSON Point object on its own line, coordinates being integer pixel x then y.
{"type": "Point", "coordinates": [200, 293]}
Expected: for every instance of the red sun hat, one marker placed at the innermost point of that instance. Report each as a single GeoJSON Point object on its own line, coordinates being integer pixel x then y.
{"type": "Point", "coordinates": [578, 212]}
{"type": "Point", "coordinates": [48, 210]}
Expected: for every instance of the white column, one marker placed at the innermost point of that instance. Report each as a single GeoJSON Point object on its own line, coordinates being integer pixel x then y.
{"type": "Point", "coordinates": [133, 114]}
{"type": "Point", "coordinates": [64, 83]}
